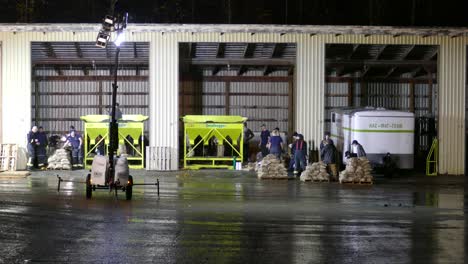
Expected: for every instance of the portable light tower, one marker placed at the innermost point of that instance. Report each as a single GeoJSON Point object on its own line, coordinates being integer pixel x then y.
{"type": "Point", "coordinates": [113, 23]}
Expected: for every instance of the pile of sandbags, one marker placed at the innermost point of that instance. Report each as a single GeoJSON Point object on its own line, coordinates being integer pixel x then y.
{"type": "Point", "coordinates": [357, 170]}
{"type": "Point", "coordinates": [61, 160]}
{"type": "Point", "coordinates": [271, 168]}
{"type": "Point", "coordinates": [315, 172]}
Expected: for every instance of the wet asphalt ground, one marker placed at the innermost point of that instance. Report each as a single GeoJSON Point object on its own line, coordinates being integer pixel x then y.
{"type": "Point", "coordinates": [231, 217]}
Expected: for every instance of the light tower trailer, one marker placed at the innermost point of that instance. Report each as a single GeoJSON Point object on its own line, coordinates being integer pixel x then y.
{"type": "Point", "coordinates": [379, 131]}
{"type": "Point", "coordinates": [100, 178]}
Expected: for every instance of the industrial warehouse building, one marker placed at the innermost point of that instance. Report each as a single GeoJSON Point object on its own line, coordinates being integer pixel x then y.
{"type": "Point", "coordinates": [284, 76]}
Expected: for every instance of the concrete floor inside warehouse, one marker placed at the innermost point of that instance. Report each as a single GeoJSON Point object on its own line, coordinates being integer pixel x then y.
{"type": "Point", "coordinates": [217, 216]}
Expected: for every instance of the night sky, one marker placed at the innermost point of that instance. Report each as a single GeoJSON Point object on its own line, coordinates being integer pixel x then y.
{"type": "Point", "coordinates": [318, 12]}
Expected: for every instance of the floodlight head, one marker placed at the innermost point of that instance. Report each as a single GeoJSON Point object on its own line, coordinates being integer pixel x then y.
{"type": "Point", "coordinates": [102, 39]}
{"type": "Point", "coordinates": [108, 23]}
{"type": "Point", "coordinates": [120, 38]}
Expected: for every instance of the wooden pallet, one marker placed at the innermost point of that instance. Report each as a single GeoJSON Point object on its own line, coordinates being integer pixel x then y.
{"type": "Point", "coordinates": [59, 169]}
{"type": "Point", "coordinates": [8, 157]}
{"type": "Point", "coordinates": [320, 181]}
{"type": "Point", "coordinates": [358, 182]}
{"type": "Point", "coordinates": [277, 178]}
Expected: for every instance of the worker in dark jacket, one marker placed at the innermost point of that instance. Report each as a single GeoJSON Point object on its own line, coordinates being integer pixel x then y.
{"type": "Point", "coordinates": [75, 141]}
{"type": "Point", "coordinates": [248, 135]}
{"type": "Point", "coordinates": [33, 142]}
{"type": "Point", "coordinates": [326, 140]}
{"type": "Point", "coordinates": [357, 149]}
{"type": "Point", "coordinates": [42, 147]}
{"type": "Point", "coordinates": [264, 139]}
{"type": "Point", "coordinates": [292, 146]}
{"type": "Point", "coordinates": [300, 153]}
{"type": "Point", "coordinates": [328, 156]}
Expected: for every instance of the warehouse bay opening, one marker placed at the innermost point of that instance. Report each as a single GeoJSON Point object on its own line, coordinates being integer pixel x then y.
{"type": "Point", "coordinates": [402, 78]}
{"type": "Point", "coordinates": [252, 80]}
{"type": "Point", "coordinates": [71, 80]}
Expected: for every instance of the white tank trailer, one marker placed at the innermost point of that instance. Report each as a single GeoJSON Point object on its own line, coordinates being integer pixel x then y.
{"type": "Point", "coordinates": [378, 130]}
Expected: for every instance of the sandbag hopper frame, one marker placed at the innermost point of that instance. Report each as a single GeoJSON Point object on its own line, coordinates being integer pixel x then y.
{"type": "Point", "coordinates": [207, 127]}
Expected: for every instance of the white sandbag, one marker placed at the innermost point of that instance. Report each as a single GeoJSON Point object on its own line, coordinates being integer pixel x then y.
{"type": "Point", "coordinates": [122, 171]}
{"type": "Point", "coordinates": [99, 170]}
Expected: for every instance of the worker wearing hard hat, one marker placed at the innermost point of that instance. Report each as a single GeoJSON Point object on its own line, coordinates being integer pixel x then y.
{"type": "Point", "coordinates": [357, 149]}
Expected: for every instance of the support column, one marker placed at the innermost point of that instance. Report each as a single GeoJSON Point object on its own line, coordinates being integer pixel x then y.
{"type": "Point", "coordinates": [164, 99]}
{"type": "Point", "coordinates": [310, 89]}
{"type": "Point", "coordinates": [16, 90]}
{"type": "Point", "coordinates": [451, 127]}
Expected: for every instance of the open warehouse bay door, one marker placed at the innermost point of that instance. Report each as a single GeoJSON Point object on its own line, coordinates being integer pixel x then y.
{"type": "Point", "coordinates": [394, 77]}
{"type": "Point", "coordinates": [253, 80]}
{"type": "Point", "coordinates": [73, 79]}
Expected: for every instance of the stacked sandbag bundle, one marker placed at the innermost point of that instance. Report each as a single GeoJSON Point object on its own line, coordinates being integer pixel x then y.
{"type": "Point", "coordinates": [60, 160]}
{"type": "Point", "coordinates": [357, 170]}
{"type": "Point", "coordinates": [315, 172]}
{"type": "Point", "coordinates": [271, 168]}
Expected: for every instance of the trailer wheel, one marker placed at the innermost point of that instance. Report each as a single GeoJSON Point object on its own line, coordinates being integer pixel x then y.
{"type": "Point", "coordinates": [89, 188]}
{"type": "Point", "coordinates": [129, 188]}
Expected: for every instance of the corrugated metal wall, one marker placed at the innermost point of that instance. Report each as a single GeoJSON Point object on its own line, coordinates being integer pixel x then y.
{"type": "Point", "coordinates": [57, 110]}
{"type": "Point", "coordinates": [309, 83]}
{"type": "Point", "coordinates": [271, 110]}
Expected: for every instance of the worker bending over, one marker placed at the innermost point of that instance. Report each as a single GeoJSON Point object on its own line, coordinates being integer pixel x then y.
{"type": "Point", "coordinates": [357, 149]}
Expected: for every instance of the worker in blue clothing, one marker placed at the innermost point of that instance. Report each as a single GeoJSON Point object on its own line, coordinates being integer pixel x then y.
{"type": "Point", "coordinates": [75, 141]}
{"type": "Point", "coordinates": [276, 144]}
{"type": "Point", "coordinates": [33, 142]}
{"type": "Point", "coordinates": [41, 148]}
{"type": "Point", "coordinates": [264, 138]}
{"type": "Point", "coordinates": [300, 154]}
